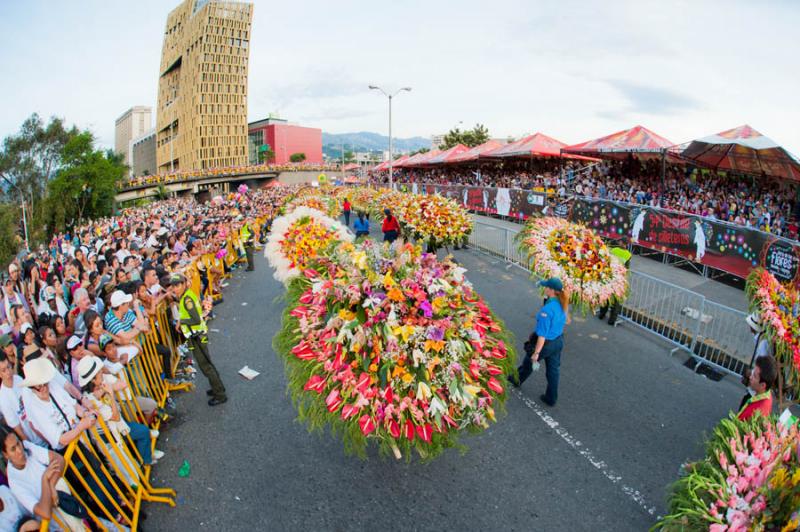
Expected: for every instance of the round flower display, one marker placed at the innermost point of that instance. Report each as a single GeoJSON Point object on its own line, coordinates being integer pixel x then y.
{"type": "Point", "coordinates": [577, 256]}
{"type": "Point", "coordinates": [391, 345]}
{"type": "Point", "coordinates": [300, 237]}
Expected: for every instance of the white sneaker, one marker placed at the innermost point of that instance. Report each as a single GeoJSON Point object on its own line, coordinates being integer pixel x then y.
{"type": "Point", "coordinates": [154, 433]}
{"type": "Point", "coordinates": [157, 455]}
{"type": "Point", "coordinates": [224, 284]}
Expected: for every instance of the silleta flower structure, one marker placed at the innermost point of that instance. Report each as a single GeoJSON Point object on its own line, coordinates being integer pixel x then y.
{"type": "Point", "coordinates": [779, 308]}
{"type": "Point", "coordinates": [749, 480]}
{"type": "Point", "coordinates": [300, 237]}
{"type": "Point", "coordinates": [577, 256]}
{"type": "Point", "coordinates": [434, 219]}
{"type": "Point", "coordinates": [324, 204]}
{"type": "Point", "coordinates": [390, 345]}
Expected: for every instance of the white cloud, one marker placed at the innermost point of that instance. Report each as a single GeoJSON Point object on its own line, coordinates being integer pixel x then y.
{"type": "Point", "coordinates": [574, 70]}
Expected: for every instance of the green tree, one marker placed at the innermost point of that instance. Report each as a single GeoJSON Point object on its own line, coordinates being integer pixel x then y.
{"type": "Point", "coordinates": [297, 157]}
{"type": "Point", "coordinates": [10, 232]}
{"type": "Point", "coordinates": [470, 137]}
{"type": "Point", "coordinates": [161, 192]}
{"type": "Point", "coordinates": [349, 157]}
{"type": "Point", "coordinates": [28, 161]}
{"type": "Point", "coordinates": [85, 185]}
{"type": "Point", "coordinates": [421, 150]}
{"type": "Point", "coordinates": [266, 156]}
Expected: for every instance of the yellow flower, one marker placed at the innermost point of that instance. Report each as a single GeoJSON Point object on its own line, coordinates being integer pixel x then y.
{"type": "Point", "coordinates": [796, 477]}
{"type": "Point", "coordinates": [360, 260]}
{"type": "Point", "coordinates": [423, 391]}
{"type": "Point", "coordinates": [435, 345]}
{"type": "Point", "coordinates": [347, 315]}
{"type": "Point", "coordinates": [407, 377]}
{"type": "Point", "coordinates": [404, 331]}
{"type": "Point", "coordinates": [472, 390]}
{"type": "Point", "coordinates": [778, 478]}
{"type": "Point", "coordinates": [388, 282]}
{"type": "Point", "coordinates": [439, 303]}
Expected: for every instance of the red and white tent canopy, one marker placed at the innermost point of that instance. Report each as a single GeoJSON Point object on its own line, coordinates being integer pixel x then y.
{"type": "Point", "coordinates": [638, 141]}
{"type": "Point", "coordinates": [446, 156]}
{"type": "Point", "coordinates": [474, 153]}
{"type": "Point", "coordinates": [743, 149]}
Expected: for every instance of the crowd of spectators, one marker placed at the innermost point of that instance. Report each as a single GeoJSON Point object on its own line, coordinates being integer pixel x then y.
{"type": "Point", "coordinates": [70, 317]}
{"type": "Point", "coordinates": [763, 203]}
{"type": "Point", "coordinates": [191, 175]}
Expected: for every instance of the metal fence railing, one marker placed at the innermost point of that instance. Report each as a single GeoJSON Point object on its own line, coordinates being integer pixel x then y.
{"type": "Point", "coordinates": [713, 334]}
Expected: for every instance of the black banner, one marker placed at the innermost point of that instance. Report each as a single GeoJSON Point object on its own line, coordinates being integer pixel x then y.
{"type": "Point", "coordinates": [510, 202]}
{"type": "Point", "coordinates": [727, 247]}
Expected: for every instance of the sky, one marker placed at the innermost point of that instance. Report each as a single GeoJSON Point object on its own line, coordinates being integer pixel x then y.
{"type": "Point", "coordinates": [574, 70]}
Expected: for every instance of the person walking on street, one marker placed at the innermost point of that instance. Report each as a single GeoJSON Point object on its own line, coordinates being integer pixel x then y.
{"type": "Point", "coordinates": [390, 227]}
{"type": "Point", "coordinates": [246, 235]}
{"type": "Point", "coordinates": [361, 225]}
{"type": "Point", "coordinates": [547, 340]}
{"type": "Point", "coordinates": [194, 328]}
{"type": "Point", "coordinates": [346, 208]}
{"type": "Point", "coordinates": [624, 256]}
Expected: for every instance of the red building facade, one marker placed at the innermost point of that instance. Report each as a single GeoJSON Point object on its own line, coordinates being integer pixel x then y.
{"type": "Point", "coordinates": [285, 139]}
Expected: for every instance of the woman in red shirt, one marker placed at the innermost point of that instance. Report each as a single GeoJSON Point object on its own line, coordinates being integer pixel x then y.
{"type": "Point", "coordinates": [346, 209]}
{"type": "Point", "coordinates": [390, 227]}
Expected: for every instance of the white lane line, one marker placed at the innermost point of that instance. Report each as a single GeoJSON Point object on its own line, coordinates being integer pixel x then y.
{"type": "Point", "coordinates": [633, 494]}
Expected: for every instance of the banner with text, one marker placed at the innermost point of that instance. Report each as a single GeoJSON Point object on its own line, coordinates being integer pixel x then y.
{"type": "Point", "coordinates": [727, 247]}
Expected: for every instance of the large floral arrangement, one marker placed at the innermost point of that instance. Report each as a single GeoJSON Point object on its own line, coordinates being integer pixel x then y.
{"type": "Point", "coordinates": [749, 480]}
{"type": "Point", "coordinates": [361, 198]}
{"type": "Point", "coordinates": [434, 219]}
{"type": "Point", "coordinates": [387, 199]}
{"type": "Point", "coordinates": [300, 237]}
{"type": "Point", "coordinates": [779, 308]}
{"type": "Point", "coordinates": [577, 256]}
{"type": "Point", "coordinates": [327, 205]}
{"type": "Point", "coordinates": [390, 345]}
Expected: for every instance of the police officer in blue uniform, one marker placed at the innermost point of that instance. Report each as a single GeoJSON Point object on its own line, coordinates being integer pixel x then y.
{"type": "Point", "coordinates": [547, 340]}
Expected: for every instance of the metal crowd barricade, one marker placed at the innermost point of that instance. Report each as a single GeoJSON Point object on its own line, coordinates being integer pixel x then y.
{"type": "Point", "coordinates": [663, 308]}
{"type": "Point", "coordinates": [711, 333]}
{"type": "Point", "coordinates": [723, 341]}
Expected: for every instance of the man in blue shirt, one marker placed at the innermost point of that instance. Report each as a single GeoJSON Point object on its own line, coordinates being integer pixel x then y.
{"type": "Point", "coordinates": [547, 340]}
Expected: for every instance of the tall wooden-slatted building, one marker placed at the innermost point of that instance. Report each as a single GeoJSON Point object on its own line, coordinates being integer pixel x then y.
{"type": "Point", "coordinates": [202, 86]}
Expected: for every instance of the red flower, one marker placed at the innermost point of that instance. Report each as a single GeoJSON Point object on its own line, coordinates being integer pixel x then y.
{"type": "Point", "coordinates": [315, 383]}
{"type": "Point", "coordinates": [349, 411]}
{"type": "Point", "coordinates": [409, 430]}
{"type": "Point", "coordinates": [334, 401]}
{"type": "Point", "coordinates": [367, 424]}
{"type": "Point", "coordinates": [394, 429]}
{"type": "Point", "coordinates": [425, 432]}
{"type": "Point", "coordinates": [494, 385]}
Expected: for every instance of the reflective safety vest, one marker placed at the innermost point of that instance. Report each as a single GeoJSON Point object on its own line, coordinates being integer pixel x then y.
{"type": "Point", "coordinates": [245, 234]}
{"type": "Point", "coordinates": [183, 314]}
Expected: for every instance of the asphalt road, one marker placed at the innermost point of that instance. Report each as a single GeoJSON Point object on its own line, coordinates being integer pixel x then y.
{"type": "Point", "coordinates": [628, 415]}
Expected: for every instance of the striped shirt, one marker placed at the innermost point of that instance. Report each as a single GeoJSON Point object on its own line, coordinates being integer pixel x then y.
{"type": "Point", "coordinates": [114, 325]}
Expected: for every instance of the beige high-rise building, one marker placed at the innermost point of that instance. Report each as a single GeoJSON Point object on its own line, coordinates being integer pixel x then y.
{"type": "Point", "coordinates": [132, 124]}
{"type": "Point", "coordinates": [202, 87]}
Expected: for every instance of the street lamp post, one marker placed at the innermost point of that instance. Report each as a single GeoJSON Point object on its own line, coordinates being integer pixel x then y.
{"type": "Point", "coordinates": [391, 151]}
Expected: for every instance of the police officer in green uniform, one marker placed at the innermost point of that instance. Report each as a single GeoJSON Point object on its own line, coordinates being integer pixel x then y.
{"type": "Point", "coordinates": [194, 328]}
{"type": "Point", "coordinates": [246, 236]}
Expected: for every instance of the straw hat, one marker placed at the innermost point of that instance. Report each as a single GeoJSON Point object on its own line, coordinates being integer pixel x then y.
{"type": "Point", "coordinates": [38, 371]}
{"type": "Point", "coordinates": [754, 321]}
{"type": "Point", "coordinates": [88, 367]}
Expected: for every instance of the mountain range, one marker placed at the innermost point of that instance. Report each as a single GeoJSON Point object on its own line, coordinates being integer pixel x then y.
{"type": "Point", "coordinates": [365, 141]}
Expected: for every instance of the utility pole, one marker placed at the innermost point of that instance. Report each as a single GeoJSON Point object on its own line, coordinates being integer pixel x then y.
{"type": "Point", "coordinates": [391, 147]}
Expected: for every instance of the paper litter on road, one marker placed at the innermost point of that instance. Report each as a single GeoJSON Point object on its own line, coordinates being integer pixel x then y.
{"type": "Point", "coordinates": [214, 330]}
{"type": "Point", "coordinates": [248, 373]}
{"type": "Point", "coordinates": [244, 303]}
